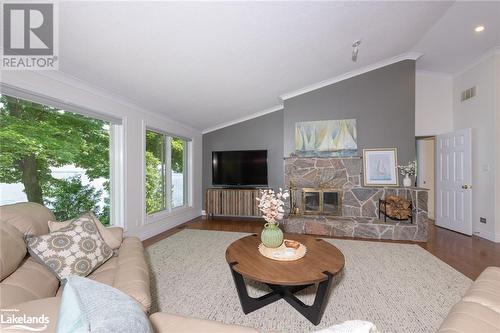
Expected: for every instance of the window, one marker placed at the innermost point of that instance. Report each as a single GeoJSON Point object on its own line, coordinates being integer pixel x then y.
{"type": "Point", "coordinates": [54, 157]}
{"type": "Point", "coordinates": [155, 172]}
{"type": "Point", "coordinates": [166, 168]}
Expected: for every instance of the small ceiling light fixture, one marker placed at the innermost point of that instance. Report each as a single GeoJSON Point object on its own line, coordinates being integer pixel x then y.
{"type": "Point", "coordinates": [479, 28]}
{"type": "Point", "coordinates": [355, 50]}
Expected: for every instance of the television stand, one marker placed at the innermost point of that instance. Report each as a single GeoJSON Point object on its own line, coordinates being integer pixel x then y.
{"type": "Point", "coordinates": [232, 202]}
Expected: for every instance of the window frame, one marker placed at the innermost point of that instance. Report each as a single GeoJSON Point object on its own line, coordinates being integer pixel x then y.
{"type": "Point", "coordinates": [169, 210]}
{"type": "Point", "coordinates": [116, 144]}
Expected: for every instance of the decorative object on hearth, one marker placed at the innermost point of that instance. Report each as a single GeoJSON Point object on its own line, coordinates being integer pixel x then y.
{"type": "Point", "coordinates": [326, 138]}
{"type": "Point", "coordinates": [271, 205]}
{"type": "Point", "coordinates": [284, 252]}
{"type": "Point", "coordinates": [380, 167]}
{"type": "Point", "coordinates": [396, 208]}
{"type": "Point", "coordinates": [408, 171]}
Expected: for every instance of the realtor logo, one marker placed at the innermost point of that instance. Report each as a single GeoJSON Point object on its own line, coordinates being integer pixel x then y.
{"type": "Point", "coordinates": [29, 36]}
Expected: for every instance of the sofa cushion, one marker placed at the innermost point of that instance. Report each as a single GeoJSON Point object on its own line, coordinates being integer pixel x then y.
{"type": "Point", "coordinates": [117, 234]}
{"type": "Point", "coordinates": [486, 289]}
{"type": "Point", "coordinates": [112, 236]}
{"type": "Point", "coordinates": [29, 218]}
{"type": "Point", "coordinates": [77, 249]}
{"type": "Point", "coordinates": [90, 306]}
{"type": "Point", "coordinates": [47, 307]}
{"type": "Point", "coordinates": [470, 317]}
{"type": "Point", "coordinates": [12, 249]}
{"type": "Point", "coordinates": [165, 323]}
{"type": "Point", "coordinates": [30, 281]}
{"type": "Point", "coordinates": [127, 272]}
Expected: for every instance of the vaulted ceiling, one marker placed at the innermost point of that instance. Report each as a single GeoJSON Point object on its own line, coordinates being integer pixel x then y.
{"type": "Point", "coordinates": [207, 63]}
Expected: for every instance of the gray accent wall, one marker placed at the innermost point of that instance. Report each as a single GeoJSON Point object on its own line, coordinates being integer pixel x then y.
{"type": "Point", "coordinates": [265, 132]}
{"type": "Point", "coordinates": [382, 101]}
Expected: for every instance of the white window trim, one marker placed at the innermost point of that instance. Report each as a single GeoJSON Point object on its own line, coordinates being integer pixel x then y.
{"type": "Point", "coordinates": [116, 175]}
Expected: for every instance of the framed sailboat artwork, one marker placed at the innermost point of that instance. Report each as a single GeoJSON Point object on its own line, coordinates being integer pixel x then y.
{"type": "Point", "coordinates": [326, 138]}
{"type": "Point", "coordinates": [380, 167]}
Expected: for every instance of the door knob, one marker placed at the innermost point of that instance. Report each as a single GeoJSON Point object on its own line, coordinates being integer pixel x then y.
{"type": "Point", "coordinates": [466, 187]}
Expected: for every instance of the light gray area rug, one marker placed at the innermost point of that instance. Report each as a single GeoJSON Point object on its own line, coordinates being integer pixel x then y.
{"type": "Point", "coordinates": [399, 287]}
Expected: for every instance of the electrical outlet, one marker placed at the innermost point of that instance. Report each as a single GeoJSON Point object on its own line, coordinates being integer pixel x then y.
{"type": "Point", "coordinates": [482, 219]}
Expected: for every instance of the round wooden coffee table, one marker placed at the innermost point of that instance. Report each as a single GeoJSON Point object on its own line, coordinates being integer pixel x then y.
{"type": "Point", "coordinates": [320, 264]}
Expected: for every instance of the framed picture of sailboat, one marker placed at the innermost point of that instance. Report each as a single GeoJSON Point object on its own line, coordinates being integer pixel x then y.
{"type": "Point", "coordinates": [380, 167]}
{"type": "Point", "coordinates": [326, 138]}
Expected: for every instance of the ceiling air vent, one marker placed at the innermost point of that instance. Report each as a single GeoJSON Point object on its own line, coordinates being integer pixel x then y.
{"type": "Point", "coordinates": [468, 94]}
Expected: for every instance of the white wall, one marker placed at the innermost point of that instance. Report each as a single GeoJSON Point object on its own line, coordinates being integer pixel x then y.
{"type": "Point", "coordinates": [433, 103]}
{"type": "Point", "coordinates": [497, 147]}
{"type": "Point", "coordinates": [426, 169]}
{"type": "Point", "coordinates": [479, 114]}
{"type": "Point", "coordinates": [59, 86]}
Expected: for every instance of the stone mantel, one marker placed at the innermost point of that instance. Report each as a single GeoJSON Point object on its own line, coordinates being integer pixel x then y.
{"type": "Point", "coordinates": [359, 203]}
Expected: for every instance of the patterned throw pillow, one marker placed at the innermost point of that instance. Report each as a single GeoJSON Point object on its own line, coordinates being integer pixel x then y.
{"type": "Point", "coordinates": [77, 249]}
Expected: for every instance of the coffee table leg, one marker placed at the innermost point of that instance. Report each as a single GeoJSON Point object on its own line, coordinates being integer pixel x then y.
{"type": "Point", "coordinates": [250, 304]}
{"type": "Point", "coordinates": [313, 312]}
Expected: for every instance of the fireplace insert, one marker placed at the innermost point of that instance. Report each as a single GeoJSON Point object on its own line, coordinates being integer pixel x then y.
{"type": "Point", "coordinates": [316, 201]}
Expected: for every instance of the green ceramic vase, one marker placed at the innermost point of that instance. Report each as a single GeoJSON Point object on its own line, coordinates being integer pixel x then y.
{"type": "Point", "coordinates": [271, 236]}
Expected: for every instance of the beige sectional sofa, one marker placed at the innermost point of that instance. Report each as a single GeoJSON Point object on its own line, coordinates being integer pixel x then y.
{"type": "Point", "coordinates": [479, 309]}
{"type": "Point", "coordinates": [31, 288]}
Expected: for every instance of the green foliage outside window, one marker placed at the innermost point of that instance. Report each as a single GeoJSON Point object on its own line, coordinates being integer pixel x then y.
{"type": "Point", "coordinates": [156, 168]}
{"type": "Point", "coordinates": [155, 172]}
{"type": "Point", "coordinates": [34, 138]}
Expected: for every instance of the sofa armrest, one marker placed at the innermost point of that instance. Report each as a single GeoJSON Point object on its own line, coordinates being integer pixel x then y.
{"type": "Point", "coordinates": [165, 323]}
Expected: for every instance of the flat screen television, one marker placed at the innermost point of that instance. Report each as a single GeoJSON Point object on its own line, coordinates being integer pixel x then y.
{"type": "Point", "coordinates": [245, 168]}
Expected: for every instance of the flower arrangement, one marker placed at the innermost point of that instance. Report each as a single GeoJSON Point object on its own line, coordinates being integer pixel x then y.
{"type": "Point", "coordinates": [408, 170]}
{"type": "Point", "coordinates": [271, 204]}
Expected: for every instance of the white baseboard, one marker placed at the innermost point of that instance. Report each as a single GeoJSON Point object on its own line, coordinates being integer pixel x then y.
{"type": "Point", "coordinates": [488, 235]}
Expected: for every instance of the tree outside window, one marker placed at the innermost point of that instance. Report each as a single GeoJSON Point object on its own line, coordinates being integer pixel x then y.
{"type": "Point", "coordinates": [39, 145]}
{"type": "Point", "coordinates": [165, 158]}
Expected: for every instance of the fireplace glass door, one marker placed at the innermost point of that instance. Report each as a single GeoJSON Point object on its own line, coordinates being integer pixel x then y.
{"type": "Point", "coordinates": [321, 201]}
{"type": "Point", "coordinates": [331, 203]}
{"type": "Point", "coordinates": [312, 202]}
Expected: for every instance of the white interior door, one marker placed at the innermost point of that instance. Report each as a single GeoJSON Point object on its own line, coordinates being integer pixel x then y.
{"type": "Point", "coordinates": [454, 181]}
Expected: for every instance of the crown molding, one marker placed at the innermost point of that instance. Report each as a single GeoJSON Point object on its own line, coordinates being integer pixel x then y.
{"type": "Point", "coordinates": [84, 86]}
{"type": "Point", "coordinates": [491, 52]}
{"type": "Point", "coordinates": [351, 74]}
{"type": "Point", "coordinates": [242, 119]}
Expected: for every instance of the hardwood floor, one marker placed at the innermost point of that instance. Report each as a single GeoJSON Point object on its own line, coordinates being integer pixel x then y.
{"type": "Point", "coordinates": [468, 255]}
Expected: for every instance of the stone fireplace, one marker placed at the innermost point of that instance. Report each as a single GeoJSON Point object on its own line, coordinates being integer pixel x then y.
{"type": "Point", "coordinates": [327, 198]}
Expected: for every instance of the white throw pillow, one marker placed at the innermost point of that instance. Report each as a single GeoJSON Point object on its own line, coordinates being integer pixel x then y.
{"type": "Point", "coordinates": [351, 326]}
{"type": "Point", "coordinates": [89, 306]}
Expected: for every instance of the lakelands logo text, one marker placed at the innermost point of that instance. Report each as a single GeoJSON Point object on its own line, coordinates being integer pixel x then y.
{"type": "Point", "coordinates": [29, 36]}
{"type": "Point", "coordinates": [12, 319]}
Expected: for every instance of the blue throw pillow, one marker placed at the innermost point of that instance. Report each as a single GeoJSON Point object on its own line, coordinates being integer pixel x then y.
{"type": "Point", "coordinates": [90, 306]}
